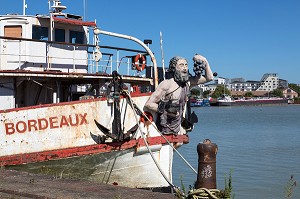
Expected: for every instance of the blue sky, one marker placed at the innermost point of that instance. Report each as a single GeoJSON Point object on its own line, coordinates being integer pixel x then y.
{"type": "Point", "coordinates": [240, 38]}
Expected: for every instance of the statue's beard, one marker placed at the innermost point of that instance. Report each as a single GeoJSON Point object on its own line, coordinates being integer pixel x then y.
{"type": "Point", "coordinates": [181, 77]}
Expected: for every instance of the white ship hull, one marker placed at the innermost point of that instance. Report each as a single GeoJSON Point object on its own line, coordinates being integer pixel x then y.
{"type": "Point", "coordinates": [62, 140]}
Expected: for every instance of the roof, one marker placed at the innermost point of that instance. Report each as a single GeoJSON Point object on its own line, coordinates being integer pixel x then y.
{"type": "Point", "coordinates": [74, 22]}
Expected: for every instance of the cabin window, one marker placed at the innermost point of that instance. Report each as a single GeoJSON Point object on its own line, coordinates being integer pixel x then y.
{"type": "Point", "coordinates": [59, 35]}
{"type": "Point", "coordinates": [13, 31]}
{"type": "Point", "coordinates": [76, 37]}
{"type": "Point", "coordinates": [40, 33]}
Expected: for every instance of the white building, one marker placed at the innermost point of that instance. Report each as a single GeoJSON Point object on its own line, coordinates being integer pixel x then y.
{"type": "Point", "coordinates": [269, 82]}
{"type": "Point", "coordinates": [245, 86]}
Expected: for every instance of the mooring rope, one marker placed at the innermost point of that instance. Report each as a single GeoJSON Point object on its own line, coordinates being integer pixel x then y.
{"type": "Point", "coordinates": [203, 193]}
{"type": "Point", "coordinates": [162, 135]}
{"type": "Point", "coordinates": [151, 153]}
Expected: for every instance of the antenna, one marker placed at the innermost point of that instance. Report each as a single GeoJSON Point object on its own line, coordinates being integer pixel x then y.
{"type": "Point", "coordinates": [57, 7]}
{"type": "Point", "coordinates": [84, 9]}
{"type": "Point", "coordinates": [24, 7]}
{"type": "Point", "coordinates": [162, 55]}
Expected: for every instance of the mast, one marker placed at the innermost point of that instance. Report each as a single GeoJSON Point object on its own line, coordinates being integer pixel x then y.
{"type": "Point", "coordinates": [162, 55]}
{"type": "Point", "coordinates": [84, 9]}
{"type": "Point", "coordinates": [24, 7]}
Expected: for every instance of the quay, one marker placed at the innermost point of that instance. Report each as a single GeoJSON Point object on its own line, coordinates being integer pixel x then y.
{"type": "Point", "coordinates": [23, 185]}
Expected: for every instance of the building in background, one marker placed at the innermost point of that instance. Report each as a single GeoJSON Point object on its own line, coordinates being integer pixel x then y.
{"type": "Point", "coordinates": [283, 83]}
{"type": "Point", "coordinates": [289, 93]}
{"type": "Point", "coordinates": [247, 86]}
{"type": "Point", "coordinates": [269, 82]}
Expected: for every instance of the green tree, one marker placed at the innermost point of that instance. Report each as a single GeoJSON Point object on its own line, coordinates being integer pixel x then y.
{"type": "Point", "coordinates": [195, 91]}
{"type": "Point", "coordinates": [220, 90]}
{"type": "Point", "coordinates": [206, 94]}
{"type": "Point", "coordinates": [248, 94]}
{"type": "Point", "coordinates": [277, 93]}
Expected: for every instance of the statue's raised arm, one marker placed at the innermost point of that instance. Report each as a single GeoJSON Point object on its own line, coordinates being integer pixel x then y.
{"type": "Point", "coordinates": [201, 64]}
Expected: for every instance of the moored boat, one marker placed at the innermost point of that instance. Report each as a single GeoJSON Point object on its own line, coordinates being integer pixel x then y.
{"type": "Point", "coordinates": [224, 100]}
{"type": "Point", "coordinates": [229, 101]}
{"type": "Point", "coordinates": [199, 102]}
{"type": "Point", "coordinates": [260, 101]}
{"type": "Point", "coordinates": [73, 108]}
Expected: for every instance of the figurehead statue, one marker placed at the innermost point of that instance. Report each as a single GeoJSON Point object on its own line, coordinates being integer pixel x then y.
{"type": "Point", "coordinates": [169, 99]}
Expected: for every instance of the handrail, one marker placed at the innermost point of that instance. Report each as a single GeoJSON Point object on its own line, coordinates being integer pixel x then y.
{"type": "Point", "coordinates": [72, 44]}
{"type": "Point", "coordinates": [50, 56]}
{"type": "Point", "coordinates": [139, 42]}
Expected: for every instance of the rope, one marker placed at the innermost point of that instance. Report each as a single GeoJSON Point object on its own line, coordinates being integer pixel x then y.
{"type": "Point", "coordinates": [163, 136]}
{"type": "Point", "coordinates": [151, 153]}
{"type": "Point", "coordinates": [203, 193]}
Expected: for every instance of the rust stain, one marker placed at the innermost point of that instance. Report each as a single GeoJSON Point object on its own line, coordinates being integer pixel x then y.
{"type": "Point", "coordinates": [206, 157]}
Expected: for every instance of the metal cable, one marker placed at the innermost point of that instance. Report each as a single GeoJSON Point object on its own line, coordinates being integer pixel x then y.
{"type": "Point", "coordinates": [164, 137]}
{"type": "Point", "coordinates": [201, 193]}
{"type": "Point", "coordinates": [151, 153]}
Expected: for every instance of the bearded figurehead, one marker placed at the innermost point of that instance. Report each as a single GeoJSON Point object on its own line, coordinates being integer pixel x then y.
{"type": "Point", "coordinates": [170, 97]}
{"type": "Point", "coordinates": [179, 67]}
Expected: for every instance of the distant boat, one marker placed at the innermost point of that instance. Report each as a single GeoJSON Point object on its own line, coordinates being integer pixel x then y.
{"type": "Point", "coordinates": [227, 100]}
{"type": "Point", "coordinates": [260, 101]}
{"type": "Point", "coordinates": [199, 102]}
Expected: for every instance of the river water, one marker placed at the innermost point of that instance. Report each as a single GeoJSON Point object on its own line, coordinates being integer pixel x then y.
{"type": "Point", "coordinates": [260, 145]}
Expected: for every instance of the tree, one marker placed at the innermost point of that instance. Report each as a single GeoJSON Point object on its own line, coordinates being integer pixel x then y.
{"type": "Point", "coordinates": [248, 94]}
{"type": "Point", "coordinates": [277, 93]}
{"type": "Point", "coordinates": [206, 94]}
{"type": "Point", "coordinates": [196, 91]}
{"type": "Point", "coordinates": [220, 90]}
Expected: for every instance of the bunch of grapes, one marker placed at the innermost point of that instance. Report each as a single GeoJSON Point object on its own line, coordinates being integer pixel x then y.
{"type": "Point", "coordinates": [199, 67]}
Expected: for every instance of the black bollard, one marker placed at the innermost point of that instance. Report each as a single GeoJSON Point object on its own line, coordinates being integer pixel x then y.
{"type": "Point", "coordinates": [207, 152]}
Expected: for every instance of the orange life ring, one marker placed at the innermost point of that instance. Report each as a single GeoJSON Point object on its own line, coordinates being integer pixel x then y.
{"type": "Point", "coordinates": [147, 120]}
{"type": "Point", "coordinates": [140, 62]}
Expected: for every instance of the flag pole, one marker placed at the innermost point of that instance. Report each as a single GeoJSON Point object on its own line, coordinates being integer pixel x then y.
{"type": "Point", "coordinates": [162, 55]}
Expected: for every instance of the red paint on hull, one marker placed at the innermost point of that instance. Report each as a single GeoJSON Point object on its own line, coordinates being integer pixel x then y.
{"type": "Point", "coordinates": [88, 150]}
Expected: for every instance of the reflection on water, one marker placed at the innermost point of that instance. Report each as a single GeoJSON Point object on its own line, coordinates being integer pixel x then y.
{"type": "Point", "coordinates": [260, 144]}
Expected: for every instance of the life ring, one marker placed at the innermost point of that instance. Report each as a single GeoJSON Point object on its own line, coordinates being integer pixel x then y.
{"type": "Point", "coordinates": [140, 62]}
{"type": "Point", "coordinates": [147, 120]}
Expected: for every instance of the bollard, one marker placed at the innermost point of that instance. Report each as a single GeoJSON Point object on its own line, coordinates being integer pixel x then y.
{"type": "Point", "coordinates": [206, 177]}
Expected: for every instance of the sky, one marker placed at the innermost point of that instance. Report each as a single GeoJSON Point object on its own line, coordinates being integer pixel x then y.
{"type": "Point", "coordinates": [239, 38]}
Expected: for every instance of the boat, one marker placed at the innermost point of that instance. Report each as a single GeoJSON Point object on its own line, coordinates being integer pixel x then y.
{"type": "Point", "coordinates": [227, 100]}
{"type": "Point", "coordinates": [224, 100]}
{"type": "Point", "coordinates": [199, 102]}
{"type": "Point", "coordinates": [73, 108]}
{"type": "Point", "coordinates": [260, 101]}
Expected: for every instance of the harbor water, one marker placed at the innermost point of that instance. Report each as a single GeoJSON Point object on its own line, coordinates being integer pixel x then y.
{"type": "Point", "coordinates": [259, 145]}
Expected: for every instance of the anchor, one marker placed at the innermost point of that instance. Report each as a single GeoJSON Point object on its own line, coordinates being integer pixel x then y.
{"type": "Point", "coordinates": [117, 133]}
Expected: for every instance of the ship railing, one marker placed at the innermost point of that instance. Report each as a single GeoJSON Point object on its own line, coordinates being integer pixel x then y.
{"type": "Point", "coordinates": [116, 58]}
{"type": "Point", "coordinates": [40, 55]}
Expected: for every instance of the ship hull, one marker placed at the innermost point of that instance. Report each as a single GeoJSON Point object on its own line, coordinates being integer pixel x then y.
{"type": "Point", "coordinates": [63, 140]}
{"type": "Point", "coordinates": [250, 102]}
{"type": "Point", "coordinates": [124, 168]}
